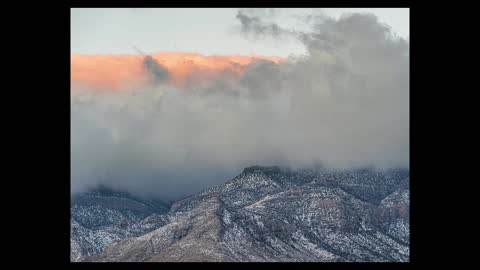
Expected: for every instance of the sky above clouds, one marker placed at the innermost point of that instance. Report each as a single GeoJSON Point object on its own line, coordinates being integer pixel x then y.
{"type": "Point", "coordinates": [201, 30]}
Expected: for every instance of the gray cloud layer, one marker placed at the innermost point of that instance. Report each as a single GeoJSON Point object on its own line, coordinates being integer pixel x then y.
{"type": "Point", "coordinates": [344, 104]}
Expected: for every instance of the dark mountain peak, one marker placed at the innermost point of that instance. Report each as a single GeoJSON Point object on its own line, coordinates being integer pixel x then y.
{"type": "Point", "coordinates": [116, 199]}
{"type": "Point", "coordinates": [262, 169]}
{"type": "Point", "coordinates": [103, 190]}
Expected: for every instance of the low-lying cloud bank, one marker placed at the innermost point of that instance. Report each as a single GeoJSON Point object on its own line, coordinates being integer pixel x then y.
{"type": "Point", "coordinates": [344, 104]}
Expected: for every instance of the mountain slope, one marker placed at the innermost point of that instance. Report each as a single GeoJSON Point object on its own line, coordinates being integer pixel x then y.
{"type": "Point", "coordinates": [102, 217]}
{"type": "Point", "coordinates": [277, 214]}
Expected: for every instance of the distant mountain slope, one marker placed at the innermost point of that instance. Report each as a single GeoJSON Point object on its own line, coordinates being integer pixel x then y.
{"type": "Point", "coordinates": [277, 214]}
{"type": "Point", "coordinates": [102, 216]}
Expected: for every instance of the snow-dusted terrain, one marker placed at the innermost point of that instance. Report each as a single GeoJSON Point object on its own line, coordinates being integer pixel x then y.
{"type": "Point", "coordinates": [263, 214]}
{"type": "Point", "coordinates": [102, 217]}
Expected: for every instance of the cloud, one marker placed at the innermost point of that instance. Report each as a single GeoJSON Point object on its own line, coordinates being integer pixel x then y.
{"type": "Point", "coordinates": [344, 104]}
{"type": "Point", "coordinates": [158, 73]}
{"type": "Point", "coordinates": [254, 25]}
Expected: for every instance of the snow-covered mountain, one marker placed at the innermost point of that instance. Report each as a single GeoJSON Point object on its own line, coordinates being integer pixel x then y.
{"type": "Point", "coordinates": [263, 214]}
{"type": "Point", "coordinates": [103, 216]}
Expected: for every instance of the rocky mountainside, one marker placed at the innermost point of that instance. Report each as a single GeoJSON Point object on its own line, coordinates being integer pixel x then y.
{"type": "Point", "coordinates": [103, 216]}
{"type": "Point", "coordinates": [263, 214]}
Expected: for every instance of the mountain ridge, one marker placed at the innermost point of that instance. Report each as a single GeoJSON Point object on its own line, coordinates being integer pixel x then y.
{"type": "Point", "coordinates": [279, 214]}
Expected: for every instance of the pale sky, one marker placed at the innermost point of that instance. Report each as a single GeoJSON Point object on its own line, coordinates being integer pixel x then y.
{"type": "Point", "coordinates": [201, 30]}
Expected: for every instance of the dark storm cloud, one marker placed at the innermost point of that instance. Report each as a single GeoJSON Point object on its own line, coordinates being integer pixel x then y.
{"type": "Point", "coordinates": [344, 104]}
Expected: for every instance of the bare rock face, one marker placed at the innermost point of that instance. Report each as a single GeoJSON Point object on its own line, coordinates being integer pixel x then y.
{"type": "Point", "coordinates": [198, 239]}
{"type": "Point", "coordinates": [276, 214]}
{"type": "Point", "coordinates": [189, 236]}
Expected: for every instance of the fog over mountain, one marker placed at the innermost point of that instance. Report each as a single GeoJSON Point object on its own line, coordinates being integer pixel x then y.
{"type": "Point", "coordinates": [344, 104]}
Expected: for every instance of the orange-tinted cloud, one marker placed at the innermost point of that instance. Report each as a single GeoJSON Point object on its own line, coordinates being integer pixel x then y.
{"type": "Point", "coordinates": [117, 72]}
